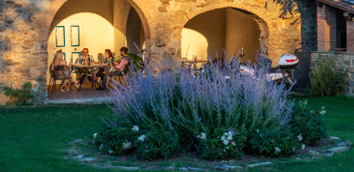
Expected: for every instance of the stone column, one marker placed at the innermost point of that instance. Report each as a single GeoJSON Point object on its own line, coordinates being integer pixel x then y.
{"type": "Point", "coordinates": [326, 28]}
{"type": "Point", "coordinates": [350, 36]}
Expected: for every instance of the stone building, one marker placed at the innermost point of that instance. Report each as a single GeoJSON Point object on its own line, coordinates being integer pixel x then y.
{"type": "Point", "coordinates": [335, 35]}
{"type": "Point", "coordinates": [32, 30]}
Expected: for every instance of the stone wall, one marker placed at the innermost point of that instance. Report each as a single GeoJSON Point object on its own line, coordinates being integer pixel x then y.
{"type": "Point", "coordinates": [23, 57]}
{"type": "Point", "coordinates": [344, 61]}
{"type": "Point", "coordinates": [25, 27]}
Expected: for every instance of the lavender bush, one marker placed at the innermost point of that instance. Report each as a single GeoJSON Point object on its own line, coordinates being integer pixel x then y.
{"type": "Point", "coordinates": [189, 104]}
{"type": "Point", "coordinates": [195, 107]}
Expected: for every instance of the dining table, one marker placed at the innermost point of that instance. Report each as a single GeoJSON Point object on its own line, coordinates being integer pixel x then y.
{"type": "Point", "coordinates": [87, 70]}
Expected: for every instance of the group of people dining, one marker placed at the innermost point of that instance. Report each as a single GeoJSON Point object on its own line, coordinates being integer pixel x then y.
{"type": "Point", "coordinates": [110, 67]}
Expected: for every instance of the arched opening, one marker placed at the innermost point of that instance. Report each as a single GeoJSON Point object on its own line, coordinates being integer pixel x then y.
{"type": "Point", "coordinates": [226, 31]}
{"type": "Point", "coordinates": [96, 25]}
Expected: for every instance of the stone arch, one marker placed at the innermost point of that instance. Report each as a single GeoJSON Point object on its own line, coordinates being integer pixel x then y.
{"type": "Point", "coordinates": [55, 5]}
{"type": "Point", "coordinates": [256, 13]}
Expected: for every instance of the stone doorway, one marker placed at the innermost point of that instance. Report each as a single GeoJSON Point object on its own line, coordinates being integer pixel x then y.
{"type": "Point", "coordinates": [107, 24]}
{"type": "Point", "coordinates": [221, 33]}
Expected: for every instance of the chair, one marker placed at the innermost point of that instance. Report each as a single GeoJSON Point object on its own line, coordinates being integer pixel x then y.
{"type": "Point", "coordinates": [121, 75]}
{"type": "Point", "coordinates": [58, 74]}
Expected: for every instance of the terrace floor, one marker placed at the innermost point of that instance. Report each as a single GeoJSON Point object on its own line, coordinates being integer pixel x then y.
{"type": "Point", "coordinates": [86, 94]}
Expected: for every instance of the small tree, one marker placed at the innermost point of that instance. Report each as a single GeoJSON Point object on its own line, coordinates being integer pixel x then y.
{"type": "Point", "coordinates": [325, 79]}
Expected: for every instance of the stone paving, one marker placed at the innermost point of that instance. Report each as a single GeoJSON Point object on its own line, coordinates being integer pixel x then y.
{"type": "Point", "coordinates": [87, 94]}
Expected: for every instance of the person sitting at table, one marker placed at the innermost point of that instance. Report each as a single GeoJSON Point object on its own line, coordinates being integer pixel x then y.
{"type": "Point", "coordinates": [59, 61]}
{"type": "Point", "coordinates": [117, 69]}
{"type": "Point", "coordinates": [85, 58]}
{"type": "Point", "coordinates": [102, 73]}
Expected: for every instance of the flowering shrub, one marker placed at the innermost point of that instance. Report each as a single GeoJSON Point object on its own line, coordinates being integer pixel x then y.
{"type": "Point", "coordinates": [222, 144]}
{"type": "Point", "coordinates": [308, 125]}
{"type": "Point", "coordinates": [117, 140]}
{"type": "Point", "coordinates": [273, 142]}
{"type": "Point", "coordinates": [150, 143]}
{"type": "Point", "coordinates": [202, 111]}
{"type": "Point", "coordinates": [156, 144]}
{"type": "Point", "coordinates": [177, 101]}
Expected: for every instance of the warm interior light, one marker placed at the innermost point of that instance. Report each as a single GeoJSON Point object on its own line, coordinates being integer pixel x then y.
{"type": "Point", "coordinates": [194, 44]}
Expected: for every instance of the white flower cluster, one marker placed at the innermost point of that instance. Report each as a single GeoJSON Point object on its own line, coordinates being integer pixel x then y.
{"type": "Point", "coordinates": [202, 136]}
{"type": "Point", "coordinates": [135, 128]}
{"type": "Point", "coordinates": [299, 137]}
{"type": "Point", "coordinates": [127, 145]}
{"type": "Point", "coordinates": [302, 146]}
{"type": "Point", "coordinates": [142, 138]}
{"type": "Point", "coordinates": [323, 110]}
{"type": "Point", "coordinates": [277, 150]}
{"type": "Point", "coordinates": [303, 104]}
{"type": "Point", "coordinates": [226, 138]}
{"type": "Point", "coordinates": [95, 135]}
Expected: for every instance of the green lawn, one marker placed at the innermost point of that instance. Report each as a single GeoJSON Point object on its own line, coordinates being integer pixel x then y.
{"type": "Point", "coordinates": [35, 139]}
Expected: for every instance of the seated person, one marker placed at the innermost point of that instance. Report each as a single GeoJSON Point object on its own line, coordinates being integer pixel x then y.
{"type": "Point", "coordinates": [59, 61]}
{"type": "Point", "coordinates": [108, 61]}
{"type": "Point", "coordinates": [85, 58]}
{"type": "Point", "coordinates": [124, 60]}
{"type": "Point", "coordinates": [117, 69]}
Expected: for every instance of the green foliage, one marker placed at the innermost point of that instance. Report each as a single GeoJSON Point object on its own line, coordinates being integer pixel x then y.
{"type": "Point", "coordinates": [221, 144]}
{"type": "Point", "coordinates": [116, 139]}
{"type": "Point", "coordinates": [147, 144]}
{"type": "Point", "coordinates": [307, 124]}
{"type": "Point", "coordinates": [325, 79]}
{"type": "Point", "coordinates": [273, 142]}
{"type": "Point", "coordinates": [22, 96]}
{"type": "Point", "coordinates": [156, 144]}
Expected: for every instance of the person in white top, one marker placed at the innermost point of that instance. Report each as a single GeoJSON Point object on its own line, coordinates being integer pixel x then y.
{"type": "Point", "coordinates": [83, 60]}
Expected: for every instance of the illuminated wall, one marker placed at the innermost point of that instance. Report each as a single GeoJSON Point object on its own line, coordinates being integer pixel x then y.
{"type": "Point", "coordinates": [212, 26]}
{"type": "Point", "coordinates": [97, 29]}
{"type": "Point", "coordinates": [194, 44]}
{"type": "Point", "coordinates": [127, 27]}
{"type": "Point", "coordinates": [216, 30]}
{"type": "Point", "coordinates": [121, 9]}
{"type": "Point", "coordinates": [241, 30]}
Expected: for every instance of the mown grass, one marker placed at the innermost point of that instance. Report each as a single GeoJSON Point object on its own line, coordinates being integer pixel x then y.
{"type": "Point", "coordinates": [339, 119]}
{"type": "Point", "coordinates": [35, 139]}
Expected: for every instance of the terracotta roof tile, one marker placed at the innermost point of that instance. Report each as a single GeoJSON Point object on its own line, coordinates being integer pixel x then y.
{"type": "Point", "coordinates": [345, 5]}
{"type": "Point", "coordinates": [350, 2]}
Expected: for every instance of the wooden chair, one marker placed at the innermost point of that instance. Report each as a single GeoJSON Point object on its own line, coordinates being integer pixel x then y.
{"type": "Point", "coordinates": [54, 77]}
{"type": "Point", "coordinates": [121, 75]}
